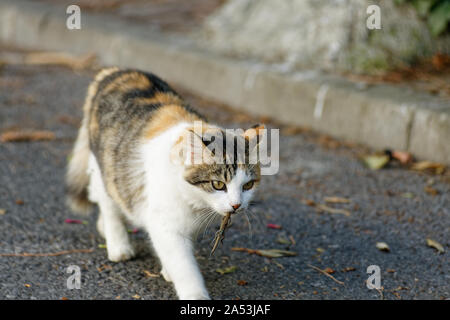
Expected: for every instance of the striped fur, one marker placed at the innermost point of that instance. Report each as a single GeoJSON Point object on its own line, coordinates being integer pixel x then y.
{"type": "Point", "coordinates": [121, 108]}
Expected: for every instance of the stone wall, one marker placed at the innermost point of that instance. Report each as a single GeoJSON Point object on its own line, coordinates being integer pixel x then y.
{"type": "Point", "coordinates": [319, 34]}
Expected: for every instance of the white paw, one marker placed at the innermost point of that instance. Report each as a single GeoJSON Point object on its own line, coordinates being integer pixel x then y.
{"type": "Point", "coordinates": [120, 253]}
{"type": "Point", "coordinates": [100, 226]}
{"type": "Point", "coordinates": [165, 275]}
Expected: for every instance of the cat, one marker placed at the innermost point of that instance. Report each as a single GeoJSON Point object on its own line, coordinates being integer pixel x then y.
{"type": "Point", "coordinates": [136, 155]}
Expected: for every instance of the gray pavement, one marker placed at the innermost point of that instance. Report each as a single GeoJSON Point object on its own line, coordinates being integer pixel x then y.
{"type": "Point", "coordinates": [389, 205]}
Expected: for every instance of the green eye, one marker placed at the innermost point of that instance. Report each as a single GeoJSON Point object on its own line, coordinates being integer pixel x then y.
{"type": "Point", "coordinates": [218, 185]}
{"type": "Point", "coordinates": [248, 185]}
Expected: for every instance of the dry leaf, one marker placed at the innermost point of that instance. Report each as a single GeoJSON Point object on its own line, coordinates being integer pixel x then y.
{"type": "Point", "coordinates": [28, 135]}
{"type": "Point", "coordinates": [242, 283]}
{"type": "Point", "coordinates": [431, 191]}
{"type": "Point", "coordinates": [269, 253]}
{"type": "Point", "coordinates": [275, 253]}
{"type": "Point", "coordinates": [436, 245]}
{"type": "Point", "coordinates": [402, 156]}
{"type": "Point", "coordinates": [148, 274]}
{"type": "Point", "coordinates": [383, 246]}
{"type": "Point", "coordinates": [329, 270]}
{"type": "Point", "coordinates": [376, 162]}
{"type": "Point", "coordinates": [308, 202]}
{"type": "Point", "coordinates": [273, 226]}
{"type": "Point", "coordinates": [438, 168]}
{"type": "Point", "coordinates": [2, 212]}
{"type": "Point", "coordinates": [60, 58]}
{"type": "Point", "coordinates": [348, 269]}
{"type": "Point", "coordinates": [336, 200]}
{"type": "Point", "coordinates": [136, 296]}
{"type": "Point", "coordinates": [223, 271]}
{"type": "Point", "coordinates": [322, 207]}
{"type": "Point", "coordinates": [282, 240]}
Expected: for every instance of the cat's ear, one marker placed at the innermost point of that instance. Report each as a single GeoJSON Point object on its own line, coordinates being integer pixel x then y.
{"type": "Point", "coordinates": [255, 137]}
{"type": "Point", "coordinates": [255, 133]}
{"type": "Point", "coordinates": [190, 149]}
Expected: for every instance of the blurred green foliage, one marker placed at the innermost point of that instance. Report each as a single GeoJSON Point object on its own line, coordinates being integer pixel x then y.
{"type": "Point", "coordinates": [436, 12]}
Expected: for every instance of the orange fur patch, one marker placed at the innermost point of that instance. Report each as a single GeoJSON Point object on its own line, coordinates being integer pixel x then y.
{"type": "Point", "coordinates": [166, 117]}
{"type": "Point", "coordinates": [159, 98]}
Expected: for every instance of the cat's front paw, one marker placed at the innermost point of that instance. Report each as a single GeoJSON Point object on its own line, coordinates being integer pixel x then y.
{"type": "Point", "coordinates": [120, 253]}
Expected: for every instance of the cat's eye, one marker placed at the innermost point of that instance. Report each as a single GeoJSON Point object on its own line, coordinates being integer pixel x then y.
{"type": "Point", "coordinates": [248, 185]}
{"type": "Point", "coordinates": [218, 185]}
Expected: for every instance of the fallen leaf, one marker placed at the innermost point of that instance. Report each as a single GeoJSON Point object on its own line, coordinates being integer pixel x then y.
{"type": "Point", "coordinates": [431, 191]}
{"type": "Point", "coordinates": [376, 162]}
{"type": "Point", "coordinates": [383, 246]}
{"type": "Point", "coordinates": [336, 200]}
{"type": "Point", "coordinates": [322, 207]}
{"type": "Point", "coordinates": [282, 240]}
{"type": "Point", "coordinates": [134, 231]}
{"type": "Point", "coordinates": [60, 58]}
{"type": "Point", "coordinates": [102, 246]}
{"type": "Point", "coordinates": [390, 270]}
{"type": "Point", "coordinates": [26, 135]}
{"type": "Point", "coordinates": [242, 283]}
{"type": "Point", "coordinates": [76, 221]}
{"type": "Point", "coordinates": [320, 250]}
{"type": "Point", "coordinates": [2, 212]}
{"type": "Point", "coordinates": [275, 253]}
{"type": "Point", "coordinates": [291, 130]}
{"type": "Point", "coordinates": [402, 156]}
{"type": "Point", "coordinates": [407, 195]}
{"type": "Point", "coordinates": [438, 168]}
{"type": "Point", "coordinates": [308, 202]}
{"type": "Point", "coordinates": [148, 274]}
{"type": "Point", "coordinates": [104, 267]}
{"type": "Point", "coordinates": [329, 270]}
{"type": "Point", "coordinates": [226, 270]}
{"type": "Point", "coordinates": [436, 245]}
{"type": "Point", "coordinates": [20, 202]}
{"type": "Point", "coordinates": [64, 298]}
{"type": "Point", "coordinates": [136, 296]}
{"type": "Point", "coordinates": [273, 226]}
{"type": "Point", "coordinates": [27, 285]}
{"type": "Point", "coordinates": [348, 269]}
{"type": "Point", "coordinates": [269, 253]}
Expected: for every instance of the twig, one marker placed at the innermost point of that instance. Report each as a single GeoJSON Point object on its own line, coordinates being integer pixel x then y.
{"type": "Point", "coordinates": [220, 235]}
{"type": "Point", "coordinates": [327, 274]}
{"type": "Point", "coordinates": [50, 254]}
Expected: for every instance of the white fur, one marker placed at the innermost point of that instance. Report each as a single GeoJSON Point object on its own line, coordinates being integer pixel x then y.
{"type": "Point", "coordinates": [168, 213]}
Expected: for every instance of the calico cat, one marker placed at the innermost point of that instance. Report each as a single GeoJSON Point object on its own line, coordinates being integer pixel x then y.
{"type": "Point", "coordinates": [135, 156]}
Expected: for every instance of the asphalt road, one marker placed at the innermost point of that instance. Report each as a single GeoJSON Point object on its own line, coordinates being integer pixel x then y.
{"type": "Point", "coordinates": [388, 206]}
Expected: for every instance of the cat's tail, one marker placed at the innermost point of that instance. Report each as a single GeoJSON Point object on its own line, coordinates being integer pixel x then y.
{"type": "Point", "coordinates": [77, 178]}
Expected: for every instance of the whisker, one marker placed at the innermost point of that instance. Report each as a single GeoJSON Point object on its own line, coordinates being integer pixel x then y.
{"type": "Point", "coordinates": [250, 231]}
{"type": "Point", "coordinates": [211, 219]}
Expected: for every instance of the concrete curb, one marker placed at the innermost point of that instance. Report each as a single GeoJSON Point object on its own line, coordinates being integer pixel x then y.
{"type": "Point", "coordinates": [378, 116]}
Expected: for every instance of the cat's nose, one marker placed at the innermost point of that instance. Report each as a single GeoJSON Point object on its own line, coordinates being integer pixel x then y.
{"type": "Point", "coordinates": [236, 206]}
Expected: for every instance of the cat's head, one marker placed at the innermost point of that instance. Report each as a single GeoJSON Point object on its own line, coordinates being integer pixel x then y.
{"type": "Point", "coordinates": [220, 167]}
